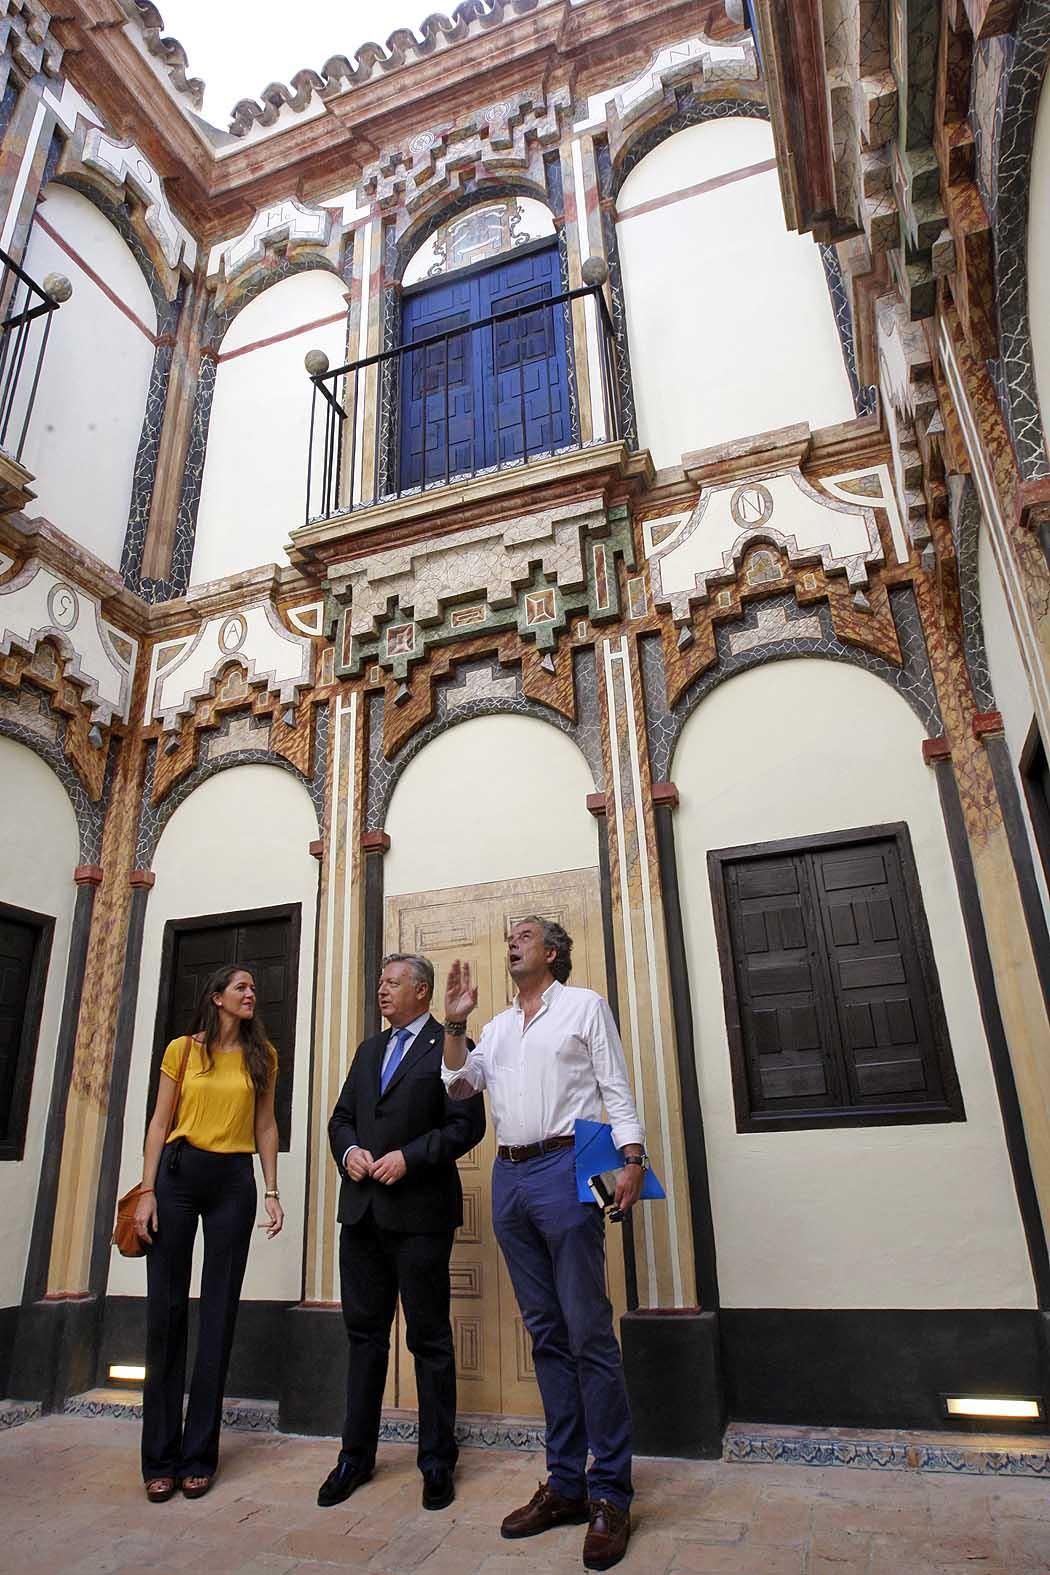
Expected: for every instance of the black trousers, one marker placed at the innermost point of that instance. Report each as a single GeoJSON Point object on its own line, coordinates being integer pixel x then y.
{"type": "Point", "coordinates": [375, 1267]}
{"type": "Point", "coordinates": [218, 1190]}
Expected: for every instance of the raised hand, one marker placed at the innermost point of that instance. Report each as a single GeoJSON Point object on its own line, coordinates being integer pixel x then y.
{"type": "Point", "coordinates": [461, 994]}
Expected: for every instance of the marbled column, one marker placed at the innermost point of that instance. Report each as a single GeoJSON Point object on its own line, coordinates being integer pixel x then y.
{"type": "Point", "coordinates": [338, 1014]}
{"type": "Point", "coordinates": [87, 1106]}
{"type": "Point", "coordinates": [179, 404]}
{"type": "Point", "coordinates": [662, 1233]}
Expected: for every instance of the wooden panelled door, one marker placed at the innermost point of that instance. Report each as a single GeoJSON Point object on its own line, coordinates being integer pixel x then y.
{"type": "Point", "coordinates": [493, 1352]}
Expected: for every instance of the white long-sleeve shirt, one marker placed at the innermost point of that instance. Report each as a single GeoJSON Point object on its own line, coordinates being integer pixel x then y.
{"type": "Point", "coordinates": [565, 1064]}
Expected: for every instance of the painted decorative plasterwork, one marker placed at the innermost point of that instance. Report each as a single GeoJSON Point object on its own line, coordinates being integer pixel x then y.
{"type": "Point", "coordinates": [690, 555]}
{"type": "Point", "coordinates": [694, 63]}
{"type": "Point", "coordinates": [532, 573]}
{"type": "Point", "coordinates": [290, 221]}
{"type": "Point", "coordinates": [36, 605]}
{"type": "Point", "coordinates": [125, 165]}
{"type": "Point", "coordinates": [506, 137]}
{"type": "Point", "coordinates": [185, 668]}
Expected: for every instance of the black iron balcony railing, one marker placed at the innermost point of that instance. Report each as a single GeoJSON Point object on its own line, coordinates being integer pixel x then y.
{"type": "Point", "coordinates": [22, 346]}
{"type": "Point", "coordinates": [474, 398]}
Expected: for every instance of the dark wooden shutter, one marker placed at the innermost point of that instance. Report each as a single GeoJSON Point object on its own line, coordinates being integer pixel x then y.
{"type": "Point", "coordinates": [832, 1001]}
{"type": "Point", "coordinates": [25, 947]}
{"type": "Point", "coordinates": [783, 1015]}
{"type": "Point", "coordinates": [875, 974]}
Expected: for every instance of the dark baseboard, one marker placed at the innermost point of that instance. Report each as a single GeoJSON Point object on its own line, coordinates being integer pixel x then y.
{"type": "Point", "coordinates": [821, 1368]}
{"type": "Point", "coordinates": [56, 1350]}
{"type": "Point", "coordinates": [313, 1394]}
{"type": "Point", "coordinates": [8, 1332]}
{"type": "Point", "coordinates": [674, 1382]}
{"type": "Point", "coordinates": [256, 1363]}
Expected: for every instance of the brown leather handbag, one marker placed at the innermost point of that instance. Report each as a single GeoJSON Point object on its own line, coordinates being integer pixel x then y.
{"type": "Point", "coordinates": [126, 1238]}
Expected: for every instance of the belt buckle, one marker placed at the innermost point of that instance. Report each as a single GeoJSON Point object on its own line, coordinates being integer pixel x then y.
{"type": "Point", "coordinates": [518, 1152]}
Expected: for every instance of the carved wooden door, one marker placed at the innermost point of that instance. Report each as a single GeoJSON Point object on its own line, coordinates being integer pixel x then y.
{"type": "Point", "coordinates": [493, 1354]}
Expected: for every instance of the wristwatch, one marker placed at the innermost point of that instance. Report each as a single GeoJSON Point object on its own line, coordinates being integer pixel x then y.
{"type": "Point", "coordinates": [637, 1159]}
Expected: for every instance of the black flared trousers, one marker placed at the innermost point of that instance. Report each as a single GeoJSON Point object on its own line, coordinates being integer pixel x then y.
{"type": "Point", "coordinates": [219, 1191]}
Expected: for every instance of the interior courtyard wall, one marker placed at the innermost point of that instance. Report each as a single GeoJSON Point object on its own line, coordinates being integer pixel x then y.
{"type": "Point", "coordinates": [36, 872]}
{"type": "Point", "coordinates": [1013, 694]}
{"type": "Point", "coordinates": [1039, 257]}
{"type": "Point", "coordinates": [254, 484]}
{"type": "Point", "coordinates": [921, 1216]}
{"type": "Point", "coordinates": [491, 799]}
{"type": "Point", "coordinates": [729, 318]}
{"type": "Point", "coordinates": [87, 419]}
{"type": "Point", "coordinates": [238, 842]}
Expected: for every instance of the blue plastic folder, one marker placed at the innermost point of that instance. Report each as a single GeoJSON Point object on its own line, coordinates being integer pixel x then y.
{"type": "Point", "coordinates": [595, 1152]}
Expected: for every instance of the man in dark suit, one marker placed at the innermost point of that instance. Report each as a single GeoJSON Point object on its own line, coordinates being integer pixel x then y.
{"type": "Point", "coordinates": [396, 1137]}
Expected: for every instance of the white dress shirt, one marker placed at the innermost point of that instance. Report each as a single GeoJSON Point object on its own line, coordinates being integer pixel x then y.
{"type": "Point", "coordinates": [565, 1063]}
{"type": "Point", "coordinates": [412, 1028]}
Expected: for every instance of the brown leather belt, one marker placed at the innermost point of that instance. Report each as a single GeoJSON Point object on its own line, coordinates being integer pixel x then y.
{"type": "Point", "coordinates": [516, 1152]}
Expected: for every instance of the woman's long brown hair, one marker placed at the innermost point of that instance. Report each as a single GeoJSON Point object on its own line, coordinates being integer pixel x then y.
{"type": "Point", "coordinates": [258, 1055]}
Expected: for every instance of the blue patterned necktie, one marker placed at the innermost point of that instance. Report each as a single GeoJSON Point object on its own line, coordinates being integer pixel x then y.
{"type": "Point", "coordinates": [395, 1059]}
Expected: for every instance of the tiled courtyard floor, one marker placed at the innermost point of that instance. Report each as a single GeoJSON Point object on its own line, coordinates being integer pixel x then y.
{"type": "Point", "coordinates": [71, 1502]}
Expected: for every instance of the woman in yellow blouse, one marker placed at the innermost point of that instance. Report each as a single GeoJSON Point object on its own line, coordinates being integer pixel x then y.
{"type": "Point", "coordinates": [203, 1171]}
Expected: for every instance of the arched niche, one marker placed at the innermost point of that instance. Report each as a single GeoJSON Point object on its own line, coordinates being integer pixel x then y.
{"type": "Point", "coordinates": [729, 318]}
{"type": "Point", "coordinates": [238, 844]}
{"type": "Point", "coordinates": [84, 433]}
{"type": "Point", "coordinates": [254, 482]}
{"type": "Point", "coordinates": [39, 851]}
{"type": "Point", "coordinates": [863, 1217]}
{"type": "Point", "coordinates": [509, 795]}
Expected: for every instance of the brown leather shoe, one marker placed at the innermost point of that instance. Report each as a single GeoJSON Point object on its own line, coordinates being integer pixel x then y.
{"type": "Point", "coordinates": [607, 1535]}
{"type": "Point", "coordinates": [545, 1509]}
{"type": "Point", "coordinates": [160, 1489]}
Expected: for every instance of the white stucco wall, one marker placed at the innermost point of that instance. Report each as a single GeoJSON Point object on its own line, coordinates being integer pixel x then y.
{"type": "Point", "coordinates": [495, 798]}
{"type": "Point", "coordinates": [253, 493]}
{"type": "Point", "coordinates": [1010, 685]}
{"type": "Point", "coordinates": [36, 873]}
{"type": "Point", "coordinates": [91, 402]}
{"type": "Point", "coordinates": [1039, 256]}
{"type": "Point", "coordinates": [238, 842]}
{"type": "Point", "coordinates": [866, 1217]}
{"type": "Point", "coordinates": [730, 322]}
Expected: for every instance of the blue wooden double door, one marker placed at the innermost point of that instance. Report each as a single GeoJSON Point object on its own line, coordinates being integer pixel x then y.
{"type": "Point", "coordinates": [482, 393]}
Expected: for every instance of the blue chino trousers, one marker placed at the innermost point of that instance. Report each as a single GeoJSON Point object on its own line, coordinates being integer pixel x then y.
{"type": "Point", "coordinates": [555, 1251]}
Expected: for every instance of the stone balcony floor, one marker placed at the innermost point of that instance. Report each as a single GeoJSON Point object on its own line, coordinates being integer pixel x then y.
{"type": "Point", "coordinates": [71, 1501]}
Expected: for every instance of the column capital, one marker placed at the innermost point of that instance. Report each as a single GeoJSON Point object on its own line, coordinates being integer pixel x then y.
{"type": "Point", "coordinates": [665, 793]}
{"type": "Point", "coordinates": [986, 722]}
{"type": "Point", "coordinates": [597, 804]}
{"type": "Point", "coordinates": [935, 750]}
{"type": "Point", "coordinates": [316, 849]}
{"type": "Point", "coordinates": [375, 842]}
{"type": "Point", "coordinates": [144, 879]}
{"type": "Point", "coordinates": [88, 875]}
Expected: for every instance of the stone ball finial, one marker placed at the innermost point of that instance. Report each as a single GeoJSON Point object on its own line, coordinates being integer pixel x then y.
{"type": "Point", "coordinates": [316, 363]}
{"type": "Point", "coordinates": [58, 287]}
{"type": "Point", "coordinates": [595, 271]}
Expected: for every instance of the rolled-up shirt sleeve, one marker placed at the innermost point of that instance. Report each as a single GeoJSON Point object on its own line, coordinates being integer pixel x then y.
{"type": "Point", "coordinates": [468, 1079]}
{"type": "Point", "coordinates": [610, 1071]}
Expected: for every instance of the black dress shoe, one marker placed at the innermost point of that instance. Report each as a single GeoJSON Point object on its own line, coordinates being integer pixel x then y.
{"type": "Point", "coordinates": [438, 1488]}
{"type": "Point", "coordinates": [341, 1482]}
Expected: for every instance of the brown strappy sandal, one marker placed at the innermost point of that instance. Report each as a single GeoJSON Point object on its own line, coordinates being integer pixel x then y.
{"type": "Point", "coordinates": [160, 1489]}
{"type": "Point", "coordinates": [195, 1487]}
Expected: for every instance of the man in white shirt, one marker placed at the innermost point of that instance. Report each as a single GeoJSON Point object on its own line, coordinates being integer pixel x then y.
{"type": "Point", "coordinates": [554, 1056]}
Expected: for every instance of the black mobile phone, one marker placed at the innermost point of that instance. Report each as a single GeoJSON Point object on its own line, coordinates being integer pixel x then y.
{"type": "Point", "coordinates": [603, 1191]}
